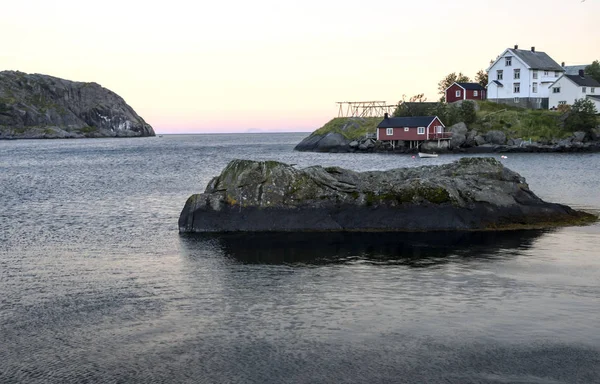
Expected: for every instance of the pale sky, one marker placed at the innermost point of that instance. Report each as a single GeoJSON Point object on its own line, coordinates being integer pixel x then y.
{"type": "Point", "coordinates": [231, 66]}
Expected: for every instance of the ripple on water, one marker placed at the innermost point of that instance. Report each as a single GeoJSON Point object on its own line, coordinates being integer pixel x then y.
{"type": "Point", "coordinates": [97, 285]}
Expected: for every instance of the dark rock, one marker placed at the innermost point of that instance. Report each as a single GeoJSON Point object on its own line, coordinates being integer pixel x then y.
{"type": "Point", "coordinates": [40, 106]}
{"type": "Point", "coordinates": [496, 137]}
{"type": "Point", "coordinates": [479, 140]}
{"type": "Point", "coordinates": [469, 194]}
{"type": "Point", "coordinates": [578, 137]}
{"type": "Point", "coordinates": [458, 128]}
{"type": "Point", "coordinates": [354, 144]}
{"type": "Point", "coordinates": [331, 142]}
{"type": "Point", "coordinates": [457, 140]}
{"type": "Point", "coordinates": [434, 146]}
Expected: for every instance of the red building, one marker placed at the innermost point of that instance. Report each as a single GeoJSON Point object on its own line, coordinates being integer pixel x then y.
{"type": "Point", "coordinates": [411, 131]}
{"type": "Point", "coordinates": [465, 91]}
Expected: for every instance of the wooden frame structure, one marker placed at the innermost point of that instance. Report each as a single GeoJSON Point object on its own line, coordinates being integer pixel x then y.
{"type": "Point", "coordinates": [364, 108]}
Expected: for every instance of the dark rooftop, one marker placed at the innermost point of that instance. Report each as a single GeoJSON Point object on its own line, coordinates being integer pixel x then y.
{"type": "Point", "coordinates": [472, 86]}
{"type": "Point", "coordinates": [586, 81]}
{"type": "Point", "coordinates": [413, 121]}
{"type": "Point", "coordinates": [537, 60]}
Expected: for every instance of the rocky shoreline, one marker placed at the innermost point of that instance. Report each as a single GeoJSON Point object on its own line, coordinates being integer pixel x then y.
{"type": "Point", "coordinates": [468, 194]}
{"type": "Point", "coordinates": [463, 141]}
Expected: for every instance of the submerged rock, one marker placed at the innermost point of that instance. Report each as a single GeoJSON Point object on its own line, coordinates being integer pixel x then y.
{"type": "Point", "coordinates": [34, 106]}
{"type": "Point", "coordinates": [469, 194]}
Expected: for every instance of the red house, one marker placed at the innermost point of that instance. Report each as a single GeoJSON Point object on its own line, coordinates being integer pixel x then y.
{"type": "Point", "coordinates": [465, 91]}
{"type": "Point", "coordinates": [411, 131]}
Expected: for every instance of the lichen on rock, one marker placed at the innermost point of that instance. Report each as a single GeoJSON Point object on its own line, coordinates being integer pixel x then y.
{"type": "Point", "coordinates": [468, 194]}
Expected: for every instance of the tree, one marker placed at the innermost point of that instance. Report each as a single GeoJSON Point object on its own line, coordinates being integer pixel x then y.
{"type": "Point", "coordinates": [449, 79]}
{"type": "Point", "coordinates": [482, 78]}
{"type": "Point", "coordinates": [467, 111]}
{"type": "Point", "coordinates": [593, 70]}
{"type": "Point", "coordinates": [415, 106]}
{"type": "Point", "coordinates": [582, 116]}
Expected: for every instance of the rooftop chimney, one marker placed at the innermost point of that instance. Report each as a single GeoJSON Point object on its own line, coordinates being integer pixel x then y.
{"type": "Point", "coordinates": [516, 46]}
{"type": "Point", "coordinates": [532, 49]}
{"type": "Point", "coordinates": [385, 115]}
{"type": "Point", "coordinates": [581, 73]}
{"type": "Point", "coordinates": [562, 64]}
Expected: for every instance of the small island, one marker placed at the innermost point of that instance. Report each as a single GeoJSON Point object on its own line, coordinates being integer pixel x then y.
{"type": "Point", "coordinates": [471, 127]}
{"type": "Point", "coordinates": [468, 194]}
{"type": "Point", "coordinates": [35, 106]}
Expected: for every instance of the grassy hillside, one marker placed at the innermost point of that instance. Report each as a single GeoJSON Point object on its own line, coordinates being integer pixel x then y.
{"type": "Point", "coordinates": [518, 122]}
{"type": "Point", "coordinates": [513, 121]}
{"type": "Point", "coordinates": [350, 127]}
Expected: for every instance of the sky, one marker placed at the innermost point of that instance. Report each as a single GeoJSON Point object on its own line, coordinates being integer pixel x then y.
{"type": "Point", "coordinates": [266, 65]}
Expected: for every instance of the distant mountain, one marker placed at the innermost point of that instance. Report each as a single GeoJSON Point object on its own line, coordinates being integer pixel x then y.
{"type": "Point", "coordinates": [34, 106]}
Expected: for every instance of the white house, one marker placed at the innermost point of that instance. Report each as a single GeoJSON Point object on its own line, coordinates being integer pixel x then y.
{"type": "Point", "coordinates": [596, 100]}
{"type": "Point", "coordinates": [521, 77]}
{"type": "Point", "coordinates": [568, 88]}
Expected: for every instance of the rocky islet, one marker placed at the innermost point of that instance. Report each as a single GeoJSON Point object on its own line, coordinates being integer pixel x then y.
{"type": "Point", "coordinates": [469, 194]}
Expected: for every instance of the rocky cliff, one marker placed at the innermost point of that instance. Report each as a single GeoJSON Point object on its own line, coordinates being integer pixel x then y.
{"type": "Point", "coordinates": [40, 106]}
{"type": "Point", "coordinates": [469, 194]}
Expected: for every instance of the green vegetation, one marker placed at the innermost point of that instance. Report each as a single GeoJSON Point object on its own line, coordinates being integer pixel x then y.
{"type": "Point", "coordinates": [593, 70]}
{"type": "Point", "coordinates": [582, 116]}
{"type": "Point", "coordinates": [88, 129]}
{"type": "Point", "coordinates": [515, 122]}
{"type": "Point", "coordinates": [350, 127]}
{"type": "Point", "coordinates": [519, 122]}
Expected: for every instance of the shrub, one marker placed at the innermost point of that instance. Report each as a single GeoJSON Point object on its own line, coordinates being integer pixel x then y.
{"type": "Point", "coordinates": [467, 112]}
{"type": "Point", "coordinates": [564, 108]}
{"type": "Point", "coordinates": [582, 116]}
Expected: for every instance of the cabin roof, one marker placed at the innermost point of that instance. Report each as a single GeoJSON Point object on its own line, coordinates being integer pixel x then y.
{"type": "Point", "coordinates": [471, 86]}
{"type": "Point", "coordinates": [412, 121]}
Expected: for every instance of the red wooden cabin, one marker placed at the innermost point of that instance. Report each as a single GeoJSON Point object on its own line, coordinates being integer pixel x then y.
{"type": "Point", "coordinates": [411, 131]}
{"type": "Point", "coordinates": [465, 91]}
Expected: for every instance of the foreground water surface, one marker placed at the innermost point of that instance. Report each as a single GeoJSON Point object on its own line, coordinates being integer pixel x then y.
{"type": "Point", "coordinates": [97, 285]}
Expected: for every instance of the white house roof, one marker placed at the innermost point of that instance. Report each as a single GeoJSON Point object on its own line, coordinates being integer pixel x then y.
{"type": "Point", "coordinates": [574, 69]}
{"type": "Point", "coordinates": [537, 60]}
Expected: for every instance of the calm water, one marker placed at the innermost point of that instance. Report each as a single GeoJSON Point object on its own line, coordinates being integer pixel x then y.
{"type": "Point", "coordinates": [96, 285]}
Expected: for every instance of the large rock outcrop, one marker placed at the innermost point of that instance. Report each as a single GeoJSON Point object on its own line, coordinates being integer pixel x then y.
{"type": "Point", "coordinates": [41, 106]}
{"type": "Point", "coordinates": [469, 194]}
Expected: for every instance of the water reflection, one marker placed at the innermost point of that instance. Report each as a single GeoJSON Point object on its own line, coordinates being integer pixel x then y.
{"type": "Point", "coordinates": [412, 249]}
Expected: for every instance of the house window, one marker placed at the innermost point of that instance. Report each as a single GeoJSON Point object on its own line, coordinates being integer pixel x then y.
{"type": "Point", "coordinates": [534, 88]}
{"type": "Point", "coordinates": [406, 129]}
{"type": "Point", "coordinates": [475, 93]}
{"type": "Point", "coordinates": [546, 73]}
{"type": "Point", "coordinates": [421, 130]}
{"type": "Point", "coordinates": [516, 100]}
{"type": "Point", "coordinates": [499, 74]}
{"type": "Point", "coordinates": [438, 128]}
{"type": "Point", "coordinates": [508, 61]}
{"type": "Point", "coordinates": [517, 88]}
{"type": "Point", "coordinates": [457, 93]}
{"type": "Point", "coordinates": [592, 90]}
{"type": "Point", "coordinates": [556, 74]}
{"type": "Point", "coordinates": [535, 74]}
{"type": "Point", "coordinates": [583, 89]}
{"type": "Point", "coordinates": [517, 74]}
{"type": "Point", "coordinates": [562, 103]}
{"type": "Point", "coordinates": [555, 89]}
{"type": "Point", "coordinates": [389, 131]}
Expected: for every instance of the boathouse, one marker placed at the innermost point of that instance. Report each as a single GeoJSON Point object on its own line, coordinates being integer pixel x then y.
{"type": "Point", "coordinates": [411, 131]}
